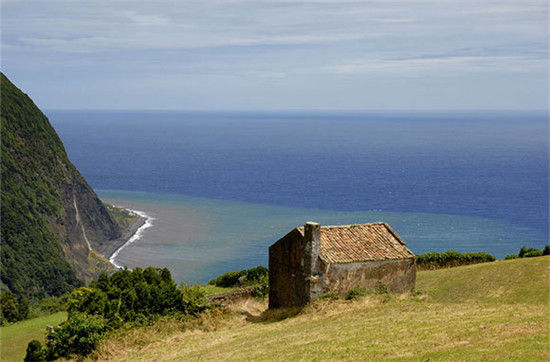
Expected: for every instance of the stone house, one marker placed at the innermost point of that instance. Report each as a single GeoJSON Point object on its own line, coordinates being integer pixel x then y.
{"type": "Point", "coordinates": [312, 260]}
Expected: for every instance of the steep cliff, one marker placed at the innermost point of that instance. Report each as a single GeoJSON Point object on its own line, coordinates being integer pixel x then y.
{"type": "Point", "coordinates": [51, 219]}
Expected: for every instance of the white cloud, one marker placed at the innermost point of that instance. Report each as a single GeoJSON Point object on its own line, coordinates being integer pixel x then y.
{"type": "Point", "coordinates": [292, 45]}
{"type": "Point", "coordinates": [449, 63]}
{"type": "Point", "coordinates": [79, 26]}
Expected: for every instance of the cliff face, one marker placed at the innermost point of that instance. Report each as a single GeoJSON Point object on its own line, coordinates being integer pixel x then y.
{"type": "Point", "coordinates": [52, 220]}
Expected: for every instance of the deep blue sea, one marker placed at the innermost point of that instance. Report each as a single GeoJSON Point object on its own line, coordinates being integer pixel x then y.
{"type": "Point", "coordinates": [234, 182]}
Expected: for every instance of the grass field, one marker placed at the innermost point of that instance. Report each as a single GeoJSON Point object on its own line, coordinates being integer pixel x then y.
{"type": "Point", "coordinates": [487, 311]}
{"type": "Point", "coordinates": [14, 338]}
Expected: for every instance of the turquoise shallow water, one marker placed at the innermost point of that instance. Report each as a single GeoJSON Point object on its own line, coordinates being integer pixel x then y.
{"type": "Point", "coordinates": [199, 238]}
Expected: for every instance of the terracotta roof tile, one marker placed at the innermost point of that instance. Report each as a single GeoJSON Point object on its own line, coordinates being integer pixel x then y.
{"type": "Point", "coordinates": [360, 242]}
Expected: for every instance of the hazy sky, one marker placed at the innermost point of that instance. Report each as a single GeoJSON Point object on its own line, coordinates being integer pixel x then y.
{"type": "Point", "coordinates": [433, 54]}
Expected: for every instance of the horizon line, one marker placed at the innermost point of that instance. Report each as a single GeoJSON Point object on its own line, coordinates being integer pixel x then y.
{"type": "Point", "coordinates": [266, 110]}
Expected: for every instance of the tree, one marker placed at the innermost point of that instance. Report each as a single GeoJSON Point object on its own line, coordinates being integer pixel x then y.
{"type": "Point", "coordinates": [10, 310]}
{"type": "Point", "coordinates": [35, 351]}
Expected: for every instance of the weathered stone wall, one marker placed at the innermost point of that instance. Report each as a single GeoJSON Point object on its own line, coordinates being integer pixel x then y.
{"type": "Point", "coordinates": [293, 266]}
{"type": "Point", "coordinates": [398, 275]}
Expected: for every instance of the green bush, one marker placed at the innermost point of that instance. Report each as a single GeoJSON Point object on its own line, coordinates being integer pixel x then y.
{"type": "Point", "coordinates": [533, 253]}
{"type": "Point", "coordinates": [13, 308]}
{"type": "Point", "coordinates": [49, 305]}
{"type": "Point", "coordinates": [525, 252]}
{"type": "Point", "coordinates": [79, 335]}
{"type": "Point", "coordinates": [448, 259]}
{"type": "Point", "coordinates": [129, 295]}
{"type": "Point", "coordinates": [355, 293]}
{"type": "Point", "coordinates": [258, 274]}
{"type": "Point", "coordinates": [260, 289]}
{"type": "Point", "coordinates": [511, 256]}
{"type": "Point", "coordinates": [241, 277]}
{"type": "Point", "coordinates": [228, 279]}
{"type": "Point", "coordinates": [35, 351]}
{"type": "Point", "coordinates": [133, 297]}
{"type": "Point", "coordinates": [193, 299]}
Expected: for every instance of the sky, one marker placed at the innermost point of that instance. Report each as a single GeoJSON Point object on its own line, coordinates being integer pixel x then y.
{"type": "Point", "coordinates": [269, 55]}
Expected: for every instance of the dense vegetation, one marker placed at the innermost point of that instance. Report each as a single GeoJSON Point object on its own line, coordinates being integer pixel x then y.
{"type": "Point", "coordinates": [525, 252]}
{"type": "Point", "coordinates": [240, 277]}
{"type": "Point", "coordinates": [13, 308]}
{"type": "Point", "coordinates": [16, 308]}
{"type": "Point", "coordinates": [448, 259]}
{"type": "Point", "coordinates": [45, 206]}
{"type": "Point", "coordinates": [32, 262]}
{"type": "Point", "coordinates": [257, 278]}
{"type": "Point", "coordinates": [126, 297]}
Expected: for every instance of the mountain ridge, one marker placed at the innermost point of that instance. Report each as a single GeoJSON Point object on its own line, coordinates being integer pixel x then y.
{"type": "Point", "coordinates": [52, 220]}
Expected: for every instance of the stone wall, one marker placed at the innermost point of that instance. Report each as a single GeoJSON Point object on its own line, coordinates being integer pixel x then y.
{"type": "Point", "coordinates": [398, 275]}
{"type": "Point", "coordinates": [293, 267]}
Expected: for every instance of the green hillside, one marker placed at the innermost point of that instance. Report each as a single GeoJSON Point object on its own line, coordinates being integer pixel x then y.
{"type": "Point", "coordinates": [51, 218]}
{"type": "Point", "coordinates": [14, 338]}
{"type": "Point", "coordinates": [487, 311]}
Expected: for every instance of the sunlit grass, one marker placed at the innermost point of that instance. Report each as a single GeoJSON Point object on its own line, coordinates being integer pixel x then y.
{"type": "Point", "coordinates": [486, 311]}
{"type": "Point", "coordinates": [14, 338]}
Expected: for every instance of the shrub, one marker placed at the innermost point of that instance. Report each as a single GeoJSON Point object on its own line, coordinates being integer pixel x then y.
{"type": "Point", "coordinates": [241, 277]}
{"type": "Point", "coordinates": [126, 297]}
{"type": "Point", "coordinates": [228, 279]}
{"type": "Point", "coordinates": [511, 256]}
{"type": "Point", "coordinates": [13, 309]}
{"type": "Point", "coordinates": [525, 252]}
{"type": "Point", "coordinates": [261, 288]}
{"type": "Point", "coordinates": [355, 293]}
{"type": "Point", "coordinates": [193, 299]}
{"type": "Point", "coordinates": [258, 274]}
{"type": "Point", "coordinates": [130, 295]}
{"type": "Point", "coordinates": [448, 259]}
{"type": "Point", "coordinates": [9, 307]}
{"type": "Point", "coordinates": [80, 334]}
{"type": "Point", "coordinates": [48, 306]}
{"type": "Point", "coordinates": [35, 351]}
{"type": "Point", "coordinates": [532, 253]}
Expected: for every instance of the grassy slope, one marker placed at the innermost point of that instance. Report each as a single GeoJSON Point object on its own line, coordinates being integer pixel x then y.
{"type": "Point", "coordinates": [487, 311]}
{"type": "Point", "coordinates": [14, 338]}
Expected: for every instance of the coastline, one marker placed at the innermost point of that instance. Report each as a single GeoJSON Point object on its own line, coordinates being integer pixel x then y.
{"type": "Point", "coordinates": [129, 235]}
{"type": "Point", "coordinates": [145, 221]}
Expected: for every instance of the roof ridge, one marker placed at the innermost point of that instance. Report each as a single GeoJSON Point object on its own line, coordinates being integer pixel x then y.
{"type": "Point", "coordinates": [349, 225]}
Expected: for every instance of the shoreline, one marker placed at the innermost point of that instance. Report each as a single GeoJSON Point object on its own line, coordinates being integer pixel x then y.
{"type": "Point", "coordinates": [145, 221]}
{"type": "Point", "coordinates": [129, 235]}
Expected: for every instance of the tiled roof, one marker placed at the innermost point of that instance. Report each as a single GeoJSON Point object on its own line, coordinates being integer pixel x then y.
{"type": "Point", "coordinates": [360, 242]}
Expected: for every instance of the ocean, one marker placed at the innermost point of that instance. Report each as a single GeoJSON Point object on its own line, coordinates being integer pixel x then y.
{"type": "Point", "coordinates": [220, 187]}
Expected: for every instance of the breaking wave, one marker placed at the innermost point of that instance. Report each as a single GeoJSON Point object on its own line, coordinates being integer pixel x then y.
{"type": "Point", "coordinates": [137, 235]}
